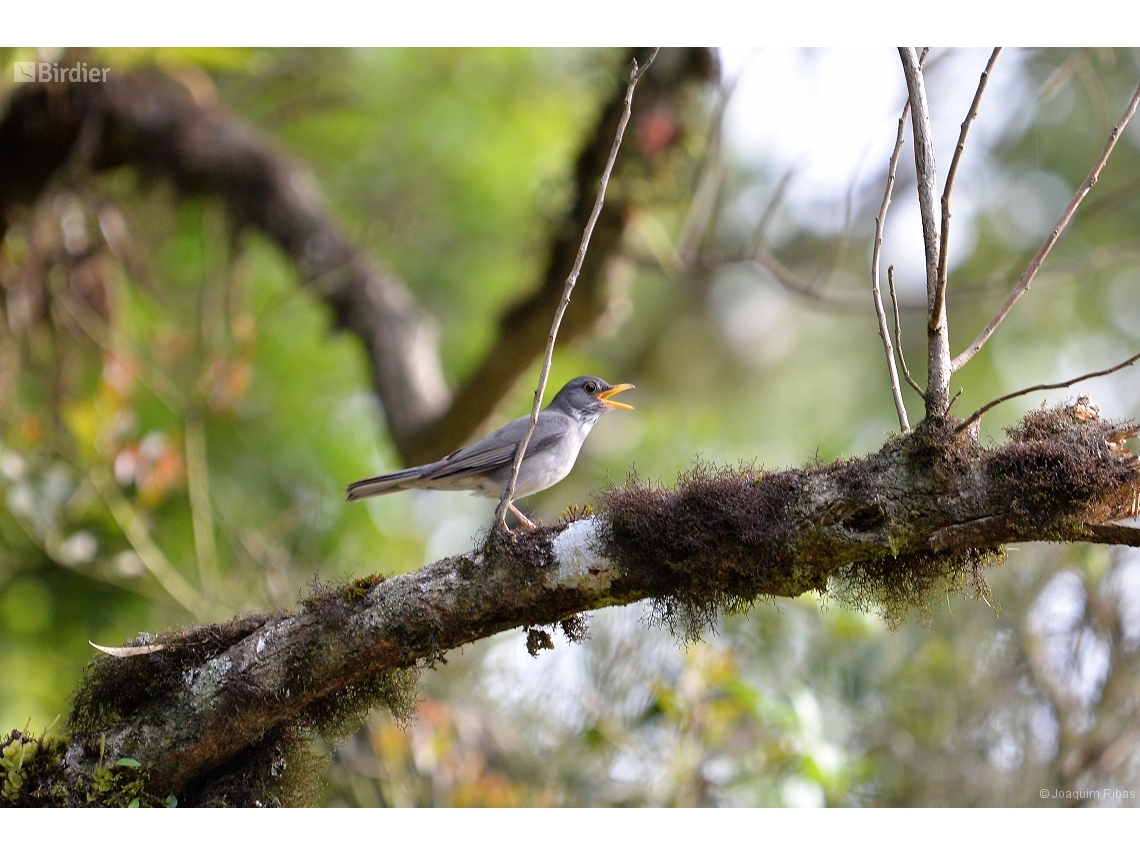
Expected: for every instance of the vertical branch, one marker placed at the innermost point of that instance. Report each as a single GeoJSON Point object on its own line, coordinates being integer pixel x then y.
{"type": "Point", "coordinates": [201, 516]}
{"type": "Point", "coordinates": [876, 253]}
{"type": "Point", "coordinates": [757, 237]}
{"type": "Point", "coordinates": [938, 340]}
{"type": "Point", "coordinates": [508, 492]}
{"type": "Point", "coordinates": [944, 248]}
{"type": "Point", "coordinates": [898, 334]}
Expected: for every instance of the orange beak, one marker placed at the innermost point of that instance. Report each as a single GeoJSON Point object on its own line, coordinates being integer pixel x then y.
{"type": "Point", "coordinates": [605, 396]}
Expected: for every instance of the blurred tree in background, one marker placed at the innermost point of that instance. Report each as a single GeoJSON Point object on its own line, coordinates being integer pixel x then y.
{"type": "Point", "coordinates": [178, 422]}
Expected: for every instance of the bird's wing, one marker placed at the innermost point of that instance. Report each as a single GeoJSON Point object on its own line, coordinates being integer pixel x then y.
{"type": "Point", "coordinates": [497, 449]}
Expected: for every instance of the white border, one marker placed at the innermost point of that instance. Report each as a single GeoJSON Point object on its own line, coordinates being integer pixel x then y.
{"type": "Point", "coordinates": [582, 22]}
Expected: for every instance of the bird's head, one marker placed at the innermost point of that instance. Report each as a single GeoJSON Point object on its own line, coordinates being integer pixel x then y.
{"type": "Point", "coordinates": [588, 398]}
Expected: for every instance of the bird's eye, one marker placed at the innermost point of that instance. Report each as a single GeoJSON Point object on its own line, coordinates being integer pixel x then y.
{"type": "Point", "coordinates": [591, 387]}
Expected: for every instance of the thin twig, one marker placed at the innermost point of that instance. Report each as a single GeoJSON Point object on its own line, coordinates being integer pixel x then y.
{"type": "Point", "coordinates": [508, 492]}
{"type": "Point", "coordinates": [778, 192]}
{"type": "Point", "coordinates": [836, 253]}
{"type": "Point", "coordinates": [978, 413]}
{"type": "Point", "coordinates": [876, 253]}
{"type": "Point", "coordinates": [152, 556]}
{"type": "Point", "coordinates": [876, 293]}
{"type": "Point", "coordinates": [1035, 265]}
{"type": "Point", "coordinates": [113, 343]}
{"type": "Point", "coordinates": [201, 515]}
{"type": "Point", "coordinates": [811, 290]}
{"type": "Point", "coordinates": [837, 250]}
{"type": "Point", "coordinates": [957, 395]}
{"type": "Point", "coordinates": [700, 219]}
{"type": "Point", "coordinates": [944, 247]}
{"type": "Point", "coordinates": [938, 343]}
{"type": "Point", "coordinates": [898, 333]}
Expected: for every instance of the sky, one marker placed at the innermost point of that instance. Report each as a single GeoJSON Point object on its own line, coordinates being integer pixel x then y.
{"type": "Point", "coordinates": [830, 115]}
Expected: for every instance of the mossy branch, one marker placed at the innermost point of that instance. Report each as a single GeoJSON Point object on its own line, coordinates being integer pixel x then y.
{"type": "Point", "coordinates": [221, 714]}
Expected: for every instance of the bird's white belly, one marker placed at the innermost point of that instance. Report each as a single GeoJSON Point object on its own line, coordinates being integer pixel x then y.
{"type": "Point", "coordinates": [538, 471]}
{"type": "Point", "coordinates": [546, 469]}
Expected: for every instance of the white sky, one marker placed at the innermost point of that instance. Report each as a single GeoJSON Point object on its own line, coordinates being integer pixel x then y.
{"type": "Point", "coordinates": [831, 114]}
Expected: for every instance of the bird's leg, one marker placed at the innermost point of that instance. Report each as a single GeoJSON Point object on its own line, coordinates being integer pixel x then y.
{"type": "Point", "coordinates": [526, 523]}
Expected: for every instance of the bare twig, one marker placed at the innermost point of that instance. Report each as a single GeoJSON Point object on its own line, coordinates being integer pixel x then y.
{"type": "Point", "coordinates": [114, 343]}
{"type": "Point", "coordinates": [201, 515]}
{"type": "Point", "coordinates": [898, 333]}
{"type": "Point", "coordinates": [778, 192]}
{"type": "Point", "coordinates": [811, 290]}
{"type": "Point", "coordinates": [508, 492]}
{"type": "Point", "coordinates": [938, 342]}
{"type": "Point", "coordinates": [978, 413]}
{"type": "Point", "coordinates": [957, 395]}
{"type": "Point", "coordinates": [944, 247]}
{"type": "Point", "coordinates": [876, 253]}
{"type": "Point", "coordinates": [701, 217]}
{"type": "Point", "coordinates": [153, 558]}
{"type": "Point", "coordinates": [1035, 265]}
{"type": "Point", "coordinates": [836, 253]}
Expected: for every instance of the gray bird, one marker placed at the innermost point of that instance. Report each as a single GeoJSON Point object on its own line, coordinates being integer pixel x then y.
{"type": "Point", "coordinates": [484, 466]}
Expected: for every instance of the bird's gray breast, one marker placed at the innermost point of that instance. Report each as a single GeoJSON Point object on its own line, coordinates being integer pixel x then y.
{"type": "Point", "coordinates": [557, 439]}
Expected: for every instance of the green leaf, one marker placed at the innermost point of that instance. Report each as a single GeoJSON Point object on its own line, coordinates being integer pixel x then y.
{"type": "Point", "coordinates": [171, 801]}
{"type": "Point", "coordinates": [128, 762]}
{"type": "Point", "coordinates": [134, 803]}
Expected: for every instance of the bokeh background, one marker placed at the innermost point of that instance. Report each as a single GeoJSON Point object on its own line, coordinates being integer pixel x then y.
{"type": "Point", "coordinates": [203, 419]}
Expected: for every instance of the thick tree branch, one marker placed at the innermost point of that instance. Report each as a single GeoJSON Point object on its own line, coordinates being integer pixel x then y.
{"type": "Point", "coordinates": [938, 339]}
{"type": "Point", "coordinates": [1039, 259]}
{"type": "Point", "coordinates": [893, 528]}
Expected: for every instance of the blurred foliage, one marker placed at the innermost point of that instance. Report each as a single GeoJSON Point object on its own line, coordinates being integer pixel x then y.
{"type": "Point", "coordinates": [177, 424]}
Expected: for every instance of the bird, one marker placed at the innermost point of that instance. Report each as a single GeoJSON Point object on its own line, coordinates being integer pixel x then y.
{"type": "Point", "coordinates": [484, 466]}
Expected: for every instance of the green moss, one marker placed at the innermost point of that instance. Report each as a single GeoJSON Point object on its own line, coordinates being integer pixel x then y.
{"type": "Point", "coordinates": [357, 589]}
{"type": "Point", "coordinates": [330, 599]}
{"type": "Point", "coordinates": [33, 776]}
{"type": "Point", "coordinates": [16, 754]}
{"type": "Point", "coordinates": [280, 770]}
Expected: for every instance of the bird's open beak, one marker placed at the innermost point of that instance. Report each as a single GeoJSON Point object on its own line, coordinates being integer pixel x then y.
{"type": "Point", "coordinates": [605, 396]}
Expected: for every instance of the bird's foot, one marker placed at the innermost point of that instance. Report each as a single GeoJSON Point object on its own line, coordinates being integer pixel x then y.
{"type": "Point", "coordinates": [521, 517]}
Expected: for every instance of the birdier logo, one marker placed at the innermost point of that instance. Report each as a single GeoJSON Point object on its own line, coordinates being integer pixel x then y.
{"type": "Point", "coordinates": [52, 72]}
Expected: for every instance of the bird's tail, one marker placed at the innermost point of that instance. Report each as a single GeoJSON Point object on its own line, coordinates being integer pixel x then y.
{"type": "Point", "coordinates": [391, 483]}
